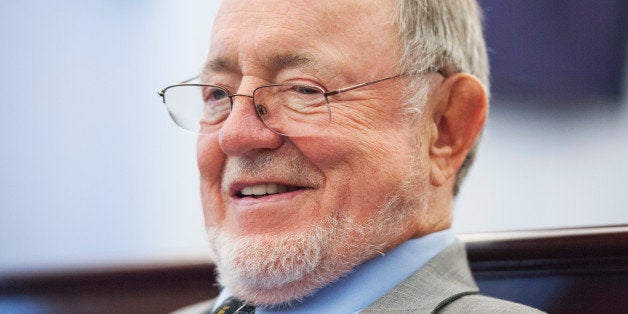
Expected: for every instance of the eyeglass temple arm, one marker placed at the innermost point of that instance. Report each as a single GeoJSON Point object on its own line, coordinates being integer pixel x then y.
{"type": "Point", "coordinates": [346, 89]}
{"type": "Point", "coordinates": [163, 90]}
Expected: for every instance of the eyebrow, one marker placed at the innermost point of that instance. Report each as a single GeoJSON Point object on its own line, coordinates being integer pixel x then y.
{"type": "Point", "coordinates": [278, 62]}
{"type": "Point", "coordinates": [217, 65]}
{"type": "Point", "coordinates": [285, 61]}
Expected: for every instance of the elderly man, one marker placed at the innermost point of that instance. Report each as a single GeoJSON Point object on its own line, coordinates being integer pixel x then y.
{"type": "Point", "coordinates": [333, 136]}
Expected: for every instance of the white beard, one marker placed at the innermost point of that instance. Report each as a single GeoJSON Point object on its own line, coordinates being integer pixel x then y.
{"type": "Point", "coordinates": [278, 269]}
{"type": "Point", "coordinates": [263, 261]}
{"type": "Point", "coordinates": [281, 268]}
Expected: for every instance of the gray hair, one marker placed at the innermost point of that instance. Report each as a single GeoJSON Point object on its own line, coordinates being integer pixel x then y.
{"type": "Point", "coordinates": [442, 35]}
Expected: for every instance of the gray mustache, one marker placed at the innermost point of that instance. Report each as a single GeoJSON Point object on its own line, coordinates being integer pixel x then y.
{"type": "Point", "coordinates": [292, 167]}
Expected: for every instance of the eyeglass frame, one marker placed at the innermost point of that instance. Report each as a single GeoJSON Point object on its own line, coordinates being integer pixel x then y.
{"type": "Point", "coordinates": [162, 92]}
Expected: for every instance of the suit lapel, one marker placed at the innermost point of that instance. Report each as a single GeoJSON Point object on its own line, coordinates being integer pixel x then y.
{"type": "Point", "coordinates": [442, 280]}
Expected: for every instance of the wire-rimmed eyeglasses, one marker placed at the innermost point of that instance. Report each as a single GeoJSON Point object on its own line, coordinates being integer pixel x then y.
{"type": "Point", "coordinates": [285, 108]}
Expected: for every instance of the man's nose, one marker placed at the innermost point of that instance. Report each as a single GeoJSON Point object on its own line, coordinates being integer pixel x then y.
{"type": "Point", "coordinates": [243, 131]}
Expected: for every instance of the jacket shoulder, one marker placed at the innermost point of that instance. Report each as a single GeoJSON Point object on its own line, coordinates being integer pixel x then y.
{"type": "Point", "coordinates": [476, 303]}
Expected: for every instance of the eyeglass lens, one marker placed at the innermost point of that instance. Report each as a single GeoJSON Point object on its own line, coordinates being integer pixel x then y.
{"type": "Point", "coordinates": [287, 109]}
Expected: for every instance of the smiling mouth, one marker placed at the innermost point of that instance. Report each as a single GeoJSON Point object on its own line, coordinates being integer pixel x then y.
{"type": "Point", "coordinates": [262, 190]}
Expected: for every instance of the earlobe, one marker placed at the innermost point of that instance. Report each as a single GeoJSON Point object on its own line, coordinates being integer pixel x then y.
{"type": "Point", "coordinates": [458, 117]}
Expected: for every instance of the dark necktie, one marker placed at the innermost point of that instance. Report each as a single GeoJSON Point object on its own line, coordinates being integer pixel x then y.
{"type": "Point", "coordinates": [233, 305]}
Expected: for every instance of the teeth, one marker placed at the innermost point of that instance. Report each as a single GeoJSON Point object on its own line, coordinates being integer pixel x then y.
{"type": "Point", "coordinates": [259, 189]}
{"type": "Point", "coordinates": [263, 189]}
{"type": "Point", "coordinates": [271, 188]}
{"type": "Point", "coordinates": [282, 188]}
{"type": "Point", "coordinates": [247, 190]}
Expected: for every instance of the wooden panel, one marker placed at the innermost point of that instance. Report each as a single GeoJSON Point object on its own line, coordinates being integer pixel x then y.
{"type": "Point", "coordinates": [583, 270]}
{"type": "Point", "coordinates": [150, 289]}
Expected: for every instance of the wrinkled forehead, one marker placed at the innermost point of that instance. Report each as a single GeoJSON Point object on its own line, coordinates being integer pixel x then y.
{"type": "Point", "coordinates": [328, 14]}
{"type": "Point", "coordinates": [342, 27]}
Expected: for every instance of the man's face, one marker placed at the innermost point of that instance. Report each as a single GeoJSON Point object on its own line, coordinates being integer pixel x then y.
{"type": "Point", "coordinates": [333, 183]}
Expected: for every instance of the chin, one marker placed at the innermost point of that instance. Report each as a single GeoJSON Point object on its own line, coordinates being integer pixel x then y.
{"type": "Point", "coordinates": [275, 270]}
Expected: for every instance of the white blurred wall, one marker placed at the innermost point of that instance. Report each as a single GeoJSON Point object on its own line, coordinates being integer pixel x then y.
{"type": "Point", "coordinates": [543, 169]}
{"type": "Point", "coordinates": [92, 171]}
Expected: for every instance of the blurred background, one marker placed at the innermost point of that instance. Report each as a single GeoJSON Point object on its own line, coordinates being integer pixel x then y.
{"type": "Point", "coordinates": [93, 172]}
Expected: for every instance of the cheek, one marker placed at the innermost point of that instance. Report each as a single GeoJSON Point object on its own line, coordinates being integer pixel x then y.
{"type": "Point", "coordinates": [356, 117]}
{"type": "Point", "coordinates": [210, 161]}
{"type": "Point", "coordinates": [367, 112]}
{"type": "Point", "coordinates": [361, 168]}
{"type": "Point", "coordinates": [209, 157]}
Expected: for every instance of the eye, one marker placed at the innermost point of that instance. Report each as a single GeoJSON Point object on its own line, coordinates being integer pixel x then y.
{"type": "Point", "coordinates": [214, 94]}
{"type": "Point", "coordinates": [215, 106]}
{"type": "Point", "coordinates": [306, 90]}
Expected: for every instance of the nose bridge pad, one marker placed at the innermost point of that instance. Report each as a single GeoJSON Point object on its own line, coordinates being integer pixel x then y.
{"type": "Point", "coordinates": [259, 109]}
{"type": "Point", "coordinates": [233, 99]}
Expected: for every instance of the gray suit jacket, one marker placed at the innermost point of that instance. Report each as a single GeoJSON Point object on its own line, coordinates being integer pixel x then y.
{"type": "Point", "coordinates": [443, 285]}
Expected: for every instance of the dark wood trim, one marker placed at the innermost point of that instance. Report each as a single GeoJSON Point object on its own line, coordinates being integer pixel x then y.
{"type": "Point", "coordinates": [583, 250]}
{"type": "Point", "coordinates": [106, 277]}
{"type": "Point", "coordinates": [520, 266]}
{"type": "Point", "coordinates": [558, 251]}
{"type": "Point", "coordinates": [571, 270]}
{"type": "Point", "coordinates": [155, 288]}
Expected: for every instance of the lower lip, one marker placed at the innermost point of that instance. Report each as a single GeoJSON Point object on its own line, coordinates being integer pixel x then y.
{"type": "Point", "coordinates": [266, 200]}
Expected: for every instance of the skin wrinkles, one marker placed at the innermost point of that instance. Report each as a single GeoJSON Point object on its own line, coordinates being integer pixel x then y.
{"type": "Point", "coordinates": [257, 58]}
{"type": "Point", "coordinates": [362, 107]}
{"type": "Point", "coordinates": [245, 68]}
{"type": "Point", "coordinates": [272, 17]}
{"type": "Point", "coordinates": [367, 172]}
{"type": "Point", "coordinates": [279, 62]}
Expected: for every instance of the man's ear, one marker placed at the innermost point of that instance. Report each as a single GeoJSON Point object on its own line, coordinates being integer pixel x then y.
{"type": "Point", "coordinates": [460, 109]}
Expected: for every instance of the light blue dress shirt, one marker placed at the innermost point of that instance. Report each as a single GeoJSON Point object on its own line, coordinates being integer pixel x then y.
{"type": "Point", "coordinates": [368, 281]}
